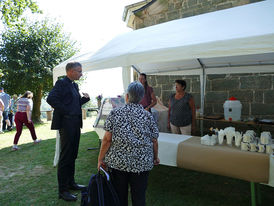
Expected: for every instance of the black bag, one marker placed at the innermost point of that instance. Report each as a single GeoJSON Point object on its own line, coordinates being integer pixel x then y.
{"type": "Point", "coordinates": [100, 191]}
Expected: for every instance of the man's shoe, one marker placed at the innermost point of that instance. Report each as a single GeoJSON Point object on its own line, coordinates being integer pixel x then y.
{"type": "Point", "coordinates": [67, 196]}
{"type": "Point", "coordinates": [76, 186]}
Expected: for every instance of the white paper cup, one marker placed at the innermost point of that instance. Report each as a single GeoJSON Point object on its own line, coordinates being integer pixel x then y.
{"type": "Point", "coordinates": [261, 148]}
{"type": "Point", "coordinates": [253, 147]}
{"type": "Point", "coordinates": [245, 146]}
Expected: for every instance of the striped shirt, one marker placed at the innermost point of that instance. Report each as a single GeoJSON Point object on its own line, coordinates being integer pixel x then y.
{"type": "Point", "coordinates": [22, 104]}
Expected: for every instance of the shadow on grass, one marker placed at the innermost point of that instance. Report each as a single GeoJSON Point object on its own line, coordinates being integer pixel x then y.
{"type": "Point", "coordinates": [27, 177]}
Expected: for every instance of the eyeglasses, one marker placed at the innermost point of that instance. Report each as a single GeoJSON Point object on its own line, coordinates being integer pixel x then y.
{"type": "Point", "coordinates": [78, 71]}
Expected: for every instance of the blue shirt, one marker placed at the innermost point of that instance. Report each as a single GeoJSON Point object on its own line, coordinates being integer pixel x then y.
{"type": "Point", "coordinates": [6, 99]}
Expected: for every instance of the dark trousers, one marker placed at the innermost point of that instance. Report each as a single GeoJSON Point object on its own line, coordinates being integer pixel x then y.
{"type": "Point", "coordinates": [20, 120]}
{"type": "Point", "coordinates": [69, 141]}
{"type": "Point", "coordinates": [138, 186]}
{"type": "Point", "coordinates": [5, 117]}
{"type": "Point", "coordinates": [11, 118]}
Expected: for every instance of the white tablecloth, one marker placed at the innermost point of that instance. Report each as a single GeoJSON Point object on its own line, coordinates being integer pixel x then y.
{"type": "Point", "coordinates": [168, 145]}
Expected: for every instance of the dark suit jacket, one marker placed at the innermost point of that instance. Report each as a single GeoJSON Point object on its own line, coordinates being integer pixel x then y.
{"type": "Point", "coordinates": [60, 98]}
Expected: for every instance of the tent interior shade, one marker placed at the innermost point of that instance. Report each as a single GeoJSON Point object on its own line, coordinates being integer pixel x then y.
{"type": "Point", "coordinates": [240, 36]}
{"type": "Point", "coordinates": [220, 63]}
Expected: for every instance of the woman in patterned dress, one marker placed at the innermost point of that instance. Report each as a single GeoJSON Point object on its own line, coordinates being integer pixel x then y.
{"type": "Point", "coordinates": [130, 147]}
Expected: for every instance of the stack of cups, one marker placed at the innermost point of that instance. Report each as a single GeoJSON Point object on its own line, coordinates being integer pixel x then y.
{"type": "Point", "coordinates": [266, 143]}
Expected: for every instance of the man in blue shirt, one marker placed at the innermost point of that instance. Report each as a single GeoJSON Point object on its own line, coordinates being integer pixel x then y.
{"type": "Point", "coordinates": [6, 99]}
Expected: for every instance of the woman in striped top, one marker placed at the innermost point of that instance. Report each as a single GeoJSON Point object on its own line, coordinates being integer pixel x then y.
{"type": "Point", "coordinates": [23, 116]}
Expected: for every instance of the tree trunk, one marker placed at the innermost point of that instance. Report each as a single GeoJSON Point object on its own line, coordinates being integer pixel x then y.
{"type": "Point", "coordinates": [37, 96]}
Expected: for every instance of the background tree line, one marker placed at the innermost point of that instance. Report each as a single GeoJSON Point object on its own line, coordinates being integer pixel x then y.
{"type": "Point", "coordinates": [29, 50]}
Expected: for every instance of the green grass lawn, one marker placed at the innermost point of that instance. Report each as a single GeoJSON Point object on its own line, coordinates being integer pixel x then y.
{"type": "Point", "coordinates": [27, 176]}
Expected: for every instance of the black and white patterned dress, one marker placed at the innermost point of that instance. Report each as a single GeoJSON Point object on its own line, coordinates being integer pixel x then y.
{"type": "Point", "coordinates": [133, 129]}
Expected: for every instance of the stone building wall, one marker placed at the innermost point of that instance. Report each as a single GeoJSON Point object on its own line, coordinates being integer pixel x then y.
{"type": "Point", "coordinates": [167, 10]}
{"type": "Point", "coordinates": [255, 92]}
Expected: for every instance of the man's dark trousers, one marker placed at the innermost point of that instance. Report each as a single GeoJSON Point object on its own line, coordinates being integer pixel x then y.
{"type": "Point", "coordinates": [69, 140]}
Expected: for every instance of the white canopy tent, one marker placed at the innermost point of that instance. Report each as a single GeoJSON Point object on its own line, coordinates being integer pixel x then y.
{"type": "Point", "coordinates": [236, 40]}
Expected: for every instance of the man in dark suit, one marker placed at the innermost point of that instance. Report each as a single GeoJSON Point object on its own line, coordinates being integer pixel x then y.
{"type": "Point", "coordinates": [67, 118]}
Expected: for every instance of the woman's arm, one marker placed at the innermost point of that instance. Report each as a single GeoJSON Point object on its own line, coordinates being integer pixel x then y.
{"type": "Point", "coordinates": [193, 111]}
{"type": "Point", "coordinates": [28, 111]}
{"type": "Point", "coordinates": [153, 101]}
{"type": "Point", "coordinates": [104, 148]}
{"type": "Point", "coordinates": [156, 160]}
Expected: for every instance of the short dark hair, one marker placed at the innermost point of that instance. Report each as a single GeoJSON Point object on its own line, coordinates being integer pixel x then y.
{"type": "Point", "coordinates": [72, 65]}
{"type": "Point", "coordinates": [181, 82]}
{"type": "Point", "coordinates": [143, 74]}
{"type": "Point", "coordinates": [1, 88]}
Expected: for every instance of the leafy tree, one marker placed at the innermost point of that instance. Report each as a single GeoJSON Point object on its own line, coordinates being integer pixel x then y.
{"type": "Point", "coordinates": [12, 10]}
{"type": "Point", "coordinates": [27, 56]}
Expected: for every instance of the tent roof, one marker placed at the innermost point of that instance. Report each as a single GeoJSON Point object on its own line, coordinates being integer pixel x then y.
{"type": "Point", "coordinates": [239, 36]}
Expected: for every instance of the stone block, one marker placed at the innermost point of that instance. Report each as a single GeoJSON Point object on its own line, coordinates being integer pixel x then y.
{"type": "Point", "coordinates": [262, 109]}
{"type": "Point", "coordinates": [157, 91]}
{"type": "Point", "coordinates": [173, 15]}
{"type": "Point", "coordinates": [218, 1]}
{"type": "Point", "coordinates": [258, 96]}
{"type": "Point", "coordinates": [269, 97]}
{"type": "Point", "coordinates": [169, 87]}
{"type": "Point", "coordinates": [162, 79]}
{"type": "Point", "coordinates": [255, 82]}
{"type": "Point", "coordinates": [241, 95]}
{"type": "Point", "coordinates": [165, 97]}
{"type": "Point", "coordinates": [225, 84]}
{"type": "Point", "coordinates": [208, 110]}
{"type": "Point", "coordinates": [215, 76]}
{"type": "Point", "coordinates": [195, 86]}
{"type": "Point", "coordinates": [187, 13]}
{"type": "Point", "coordinates": [170, 6]}
{"type": "Point", "coordinates": [245, 109]}
{"type": "Point", "coordinates": [175, 77]}
{"type": "Point", "coordinates": [208, 85]}
{"type": "Point", "coordinates": [161, 20]}
{"type": "Point", "coordinates": [192, 3]}
{"type": "Point", "coordinates": [224, 6]}
{"type": "Point", "coordinates": [178, 5]}
{"type": "Point", "coordinates": [218, 108]}
{"type": "Point", "coordinates": [151, 79]}
{"type": "Point", "coordinates": [197, 98]}
{"type": "Point", "coordinates": [213, 97]}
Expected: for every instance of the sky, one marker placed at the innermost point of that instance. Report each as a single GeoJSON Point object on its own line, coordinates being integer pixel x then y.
{"type": "Point", "coordinates": [92, 24]}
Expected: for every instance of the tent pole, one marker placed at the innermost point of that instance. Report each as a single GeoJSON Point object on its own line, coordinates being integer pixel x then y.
{"type": "Point", "coordinates": [203, 86]}
{"type": "Point", "coordinates": [126, 76]}
{"type": "Point", "coordinates": [135, 69]}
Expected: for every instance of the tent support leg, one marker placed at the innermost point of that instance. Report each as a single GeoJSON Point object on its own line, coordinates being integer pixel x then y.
{"type": "Point", "coordinates": [253, 194]}
{"type": "Point", "coordinates": [203, 86]}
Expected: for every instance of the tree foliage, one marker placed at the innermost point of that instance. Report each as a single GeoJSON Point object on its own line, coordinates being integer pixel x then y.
{"type": "Point", "coordinates": [12, 10]}
{"type": "Point", "coordinates": [29, 53]}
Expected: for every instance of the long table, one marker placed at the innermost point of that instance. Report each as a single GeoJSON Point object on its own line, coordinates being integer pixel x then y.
{"type": "Point", "coordinates": [187, 152]}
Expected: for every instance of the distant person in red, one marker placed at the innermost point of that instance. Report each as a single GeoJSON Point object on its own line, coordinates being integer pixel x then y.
{"type": "Point", "coordinates": [23, 116]}
{"type": "Point", "coordinates": [149, 99]}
